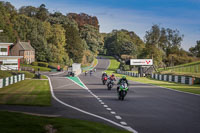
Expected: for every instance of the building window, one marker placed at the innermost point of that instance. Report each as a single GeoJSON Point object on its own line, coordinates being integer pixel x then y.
{"type": "Point", "coordinates": [3, 49]}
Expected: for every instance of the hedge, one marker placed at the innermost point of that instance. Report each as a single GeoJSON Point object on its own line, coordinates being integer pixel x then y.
{"type": "Point", "coordinates": [43, 64]}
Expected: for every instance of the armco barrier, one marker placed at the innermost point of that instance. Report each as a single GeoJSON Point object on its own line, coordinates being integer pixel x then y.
{"type": "Point", "coordinates": [174, 78]}
{"type": "Point", "coordinates": [11, 80]}
{"type": "Point", "coordinates": [128, 73]}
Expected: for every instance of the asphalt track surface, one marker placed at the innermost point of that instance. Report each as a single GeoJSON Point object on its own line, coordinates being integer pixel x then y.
{"type": "Point", "coordinates": [146, 108]}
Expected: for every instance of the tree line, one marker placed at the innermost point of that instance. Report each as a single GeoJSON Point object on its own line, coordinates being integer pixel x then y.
{"type": "Point", "coordinates": [75, 37]}
{"type": "Point", "coordinates": [161, 44]}
{"type": "Point", "coordinates": [55, 37]}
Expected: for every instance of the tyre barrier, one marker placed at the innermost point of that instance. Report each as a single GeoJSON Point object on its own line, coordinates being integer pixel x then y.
{"type": "Point", "coordinates": [11, 80]}
{"type": "Point", "coordinates": [174, 78]}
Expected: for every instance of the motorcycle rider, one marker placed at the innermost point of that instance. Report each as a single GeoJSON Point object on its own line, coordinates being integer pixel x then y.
{"type": "Point", "coordinates": [111, 80]}
{"type": "Point", "coordinates": [123, 79]}
{"type": "Point", "coordinates": [104, 75]}
{"type": "Point", "coordinates": [91, 72]}
{"type": "Point", "coordinates": [112, 77]}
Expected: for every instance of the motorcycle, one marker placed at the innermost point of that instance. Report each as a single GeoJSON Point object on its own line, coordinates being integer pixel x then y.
{"type": "Point", "coordinates": [110, 84]}
{"type": "Point", "coordinates": [104, 80]}
{"type": "Point", "coordinates": [123, 88]}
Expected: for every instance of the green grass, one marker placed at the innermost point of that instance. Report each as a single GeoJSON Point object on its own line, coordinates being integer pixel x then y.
{"type": "Point", "coordinates": [32, 75]}
{"type": "Point", "coordinates": [114, 65]}
{"type": "Point", "coordinates": [27, 92]}
{"type": "Point", "coordinates": [12, 122]}
{"type": "Point", "coordinates": [87, 68]}
{"type": "Point", "coordinates": [4, 74]}
{"type": "Point", "coordinates": [189, 69]}
{"type": "Point", "coordinates": [36, 67]}
{"type": "Point", "coordinates": [182, 73]}
{"type": "Point", "coordinates": [95, 62]}
{"type": "Point", "coordinates": [177, 86]}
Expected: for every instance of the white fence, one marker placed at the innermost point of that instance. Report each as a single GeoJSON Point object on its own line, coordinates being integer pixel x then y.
{"type": "Point", "coordinates": [11, 80]}
{"type": "Point", "coordinates": [174, 78]}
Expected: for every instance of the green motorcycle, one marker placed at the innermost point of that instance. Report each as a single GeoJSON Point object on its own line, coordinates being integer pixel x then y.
{"type": "Point", "coordinates": [123, 89]}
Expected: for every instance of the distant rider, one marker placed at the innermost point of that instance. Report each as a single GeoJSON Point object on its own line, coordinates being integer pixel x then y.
{"type": "Point", "coordinates": [104, 75]}
{"type": "Point", "coordinates": [86, 73]}
{"type": "Point", "coordinates": [123, 79]}
{"type": "Point", "coordinates": [112, 77]}
{"type": "Point", "coordinates": [90, 72]}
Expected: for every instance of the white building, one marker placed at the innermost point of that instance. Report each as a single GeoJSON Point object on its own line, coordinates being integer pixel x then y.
{"type": "Point", "coordinates": [8, 62]}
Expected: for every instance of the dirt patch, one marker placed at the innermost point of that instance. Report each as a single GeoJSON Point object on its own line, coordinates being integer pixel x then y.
{"type": "Point", "coordinates": [49, 128]}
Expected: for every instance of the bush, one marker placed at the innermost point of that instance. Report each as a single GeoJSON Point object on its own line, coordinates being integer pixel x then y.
{"type": "Point", "coordinates": [43, 64]}
{"type": "Point", "coordinates": [34, 63]}
{"type": "Point", "coordinates": [126, 68]}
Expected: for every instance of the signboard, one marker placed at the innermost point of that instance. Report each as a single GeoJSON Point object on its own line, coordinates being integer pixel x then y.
{"type": "Point", "coordinates": [141, 62]}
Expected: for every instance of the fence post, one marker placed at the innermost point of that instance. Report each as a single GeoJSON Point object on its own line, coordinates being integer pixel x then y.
{"type": "Point", "coordinates": [165, 77]}
{"type": "Point", "coordinates": [11, 80]}
{"type": "Point", "coordinates": [170, 78]}
{"type": "Point", "coordinates": [152, 75]}
{"type": "Point", "coordinates": [190, 80]}
{"type": "Point", "coordinates": [183, 79]}
{"type": "Point", "coordinates": [160, 77]}
{"type": "Point", "coordinates": [15, 79]}
{"type": "Point", "coordinates": [176, 79]}
{"type": "Point", "coordinates": [156, 76]}
{"type": "Point", "coordinates": [19, 77]}
{"type": "Point", "coordinates": [7, 81]}
{"type": "Point", "coordinates": [23, 77]}
{"type": "Point", "coordinates": [1, 83]}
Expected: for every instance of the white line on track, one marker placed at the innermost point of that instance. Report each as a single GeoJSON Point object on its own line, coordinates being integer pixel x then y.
{"type": "Point", "coordinates": [112, 112]}
{"type": "Point", "coordinates": [118, 117]}
{"type": "Point", "coordinates": [123, 123]}
{"type": "Point", "coordinates": [105, 106]}
{"type": "Point", "coordinates": [102, 102]}
{"type": "Point", "coordinates": [88, 113]}
{"type": "Point", "coordinates": [109, 109]}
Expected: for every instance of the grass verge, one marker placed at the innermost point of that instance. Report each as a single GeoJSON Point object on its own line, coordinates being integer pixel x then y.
{"type": "Point", "coordinates": [4, 74]}
{"type": "Point", "coordinates": [176, 86]}
{"type": "Point", "coordinates": [36, 67]}
{"type": "Point", "coordinates": [87, 68]}
{"type": "Point", "coordinates": [182, 73]}
{"type": "Point", "coordinates": [23, 123]}
{"type": "Point", "coordinates": [114, 65]}
{"type": "Point", "coordinates": [27, 92]}
{"type": "Point", "coordinates": [32, 75]}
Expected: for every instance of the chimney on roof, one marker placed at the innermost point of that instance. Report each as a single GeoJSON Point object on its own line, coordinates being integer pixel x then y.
{"type": "Point", "coordinates": [29, 41]}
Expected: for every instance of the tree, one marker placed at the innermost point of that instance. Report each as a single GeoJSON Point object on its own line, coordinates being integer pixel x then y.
{"type": "Point", "coordinates": [92, 37]}
{"type": "Point", "coordinates": [165, 41]}
{"type": "Point", "coordinates": [123, 42]}
{"type": "Point", "coordinates": [42, 13]}
{"type": "Point", "coordinates": [74, 45]}
{"type": "Point", "coordinates": [29, 11]}
{"type": "Point", "coordinates": [196, 50]}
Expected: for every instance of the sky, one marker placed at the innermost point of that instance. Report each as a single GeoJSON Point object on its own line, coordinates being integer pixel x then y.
{"type": "Point", "coordinates": [133, 15]}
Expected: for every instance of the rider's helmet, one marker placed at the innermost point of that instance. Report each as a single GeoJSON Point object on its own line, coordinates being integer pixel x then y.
{"type": "Point", "coordinates": [123, 77]}
{"type": "Point", "coordinates": [113, 75]}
